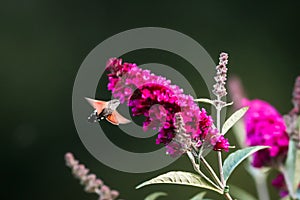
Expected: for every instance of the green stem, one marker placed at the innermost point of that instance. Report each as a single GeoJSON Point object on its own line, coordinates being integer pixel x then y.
{"type": "Point", "coordinates": [211, 171]}
{"type": "Point", "coordinates": [197, 169]}
{"type": "Point", "coordinates": [260, 179]}
{"type": "Point", "coordinates": [220, 161]}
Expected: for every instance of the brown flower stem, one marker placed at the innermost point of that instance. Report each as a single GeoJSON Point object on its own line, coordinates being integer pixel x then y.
{"type": "Point", "coordinates": [227, 196]}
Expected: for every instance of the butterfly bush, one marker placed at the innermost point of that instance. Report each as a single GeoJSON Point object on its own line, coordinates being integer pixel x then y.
{"type": "Point", "coordinates": [184, 127]}
{"type": "Point", "coordinates": [141, 90]}
{"type": "Point", "coordinates": [265, 126]}
{"type": "Point", "coordinates": [291, 128]}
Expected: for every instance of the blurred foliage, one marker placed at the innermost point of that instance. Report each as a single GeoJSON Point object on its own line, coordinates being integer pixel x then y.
{"type": "Point", "coordinates": [43, 43]}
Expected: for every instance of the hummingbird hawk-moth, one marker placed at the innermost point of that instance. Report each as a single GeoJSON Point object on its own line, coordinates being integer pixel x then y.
{"type": "Point", "coordinates": [106, 110]}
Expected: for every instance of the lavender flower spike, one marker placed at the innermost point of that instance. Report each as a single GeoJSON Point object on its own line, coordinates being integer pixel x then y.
{"type": "Point", "coordinates": [182, 141]}
{"type": "Point", "coordinates": [296, 96]}
{"type": "Point", "coordinates": [221, 77]}
{"type": "Point", "coordinates": [292, 117]}
{"type": "Point", "coordinates": [90, 181]}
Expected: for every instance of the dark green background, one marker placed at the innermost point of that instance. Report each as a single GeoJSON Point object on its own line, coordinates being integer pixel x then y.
{"type": "Point", "coordinates": [43, 43]}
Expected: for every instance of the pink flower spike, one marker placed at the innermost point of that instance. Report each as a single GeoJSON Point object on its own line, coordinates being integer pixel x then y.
{"type": "Point", "coordinates": [141, 89]}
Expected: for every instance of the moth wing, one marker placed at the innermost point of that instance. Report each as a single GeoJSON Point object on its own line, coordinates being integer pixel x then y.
{"type": "Point", "coordinates": [120, 118]}
{"type": "Point", "coordinates": [112, 119]}
{"type": "Point", "coordinates": [96, 104]}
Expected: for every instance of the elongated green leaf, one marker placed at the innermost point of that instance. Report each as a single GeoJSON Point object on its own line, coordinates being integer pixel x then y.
{"type": "Point", "coordinates": [199, 196]}
{"type": "Point", "coordinates": [204, 100]}
{"type": "Point", "coordinates": [181, 178]}
{"type": "Point", "coordinates": [292, 165]}
{"type": "Point", "coordinates": [297, 165]}
{"type": "Point", "coordinates": [285, 198]}
{"type": "Point", "coordinates": [233, 119]}
{"type": "Point", "coordinates": [297, 171]}
{"type": "Point", "coordinates": [234, 159]}
{"type": "Point", "coordinates": [240, 193]}
{"type": "Point", "coordinates": [155, 195]}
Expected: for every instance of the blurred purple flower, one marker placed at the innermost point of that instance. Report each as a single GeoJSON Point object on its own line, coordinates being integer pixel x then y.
{"type": "Point", "coordinates": [279, 184]}
{"type": "Point", "coordinates": [265, 126]}
{"type": "Point", "coordinates": [141, 90]}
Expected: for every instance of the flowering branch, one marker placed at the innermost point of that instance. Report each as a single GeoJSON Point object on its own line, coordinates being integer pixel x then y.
{"type": "Point", "coordinates": [90, 182]}
{"type": "Point", "coordinates": [184, 128]}
{"type": "Point", "coordinates": [220, 91]}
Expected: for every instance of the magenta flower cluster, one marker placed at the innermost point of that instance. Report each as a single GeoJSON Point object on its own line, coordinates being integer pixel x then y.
{"type": "Point", "coordinates": [142, 90]}
{"type": "Point", "coordinates": [265, 126]}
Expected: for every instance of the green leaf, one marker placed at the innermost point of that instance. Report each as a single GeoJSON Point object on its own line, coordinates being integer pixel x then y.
{"type": "Point", "coordinates": [181, 178]}
{"type": "Point", "coordinates": [155, 195]}
{"type": "Point", "coordinates": [292, 164]}
{"type": "Point", "coordinates": [204, 100]}
{"type": "Point", "coordinates": [198, 196]}
{"type": "Point", "coordinates": [286, 198]}
{"type": "Point", "coordinates": [233, 119]}
{"type": "Point", "coordinates": [240, 193]}
{"type": "Point", "coordinates": [297, 166]}
{"type": "Point", "coordinates": [297, 171]}
{"type": "Point", "coordinates": [234, 159]}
